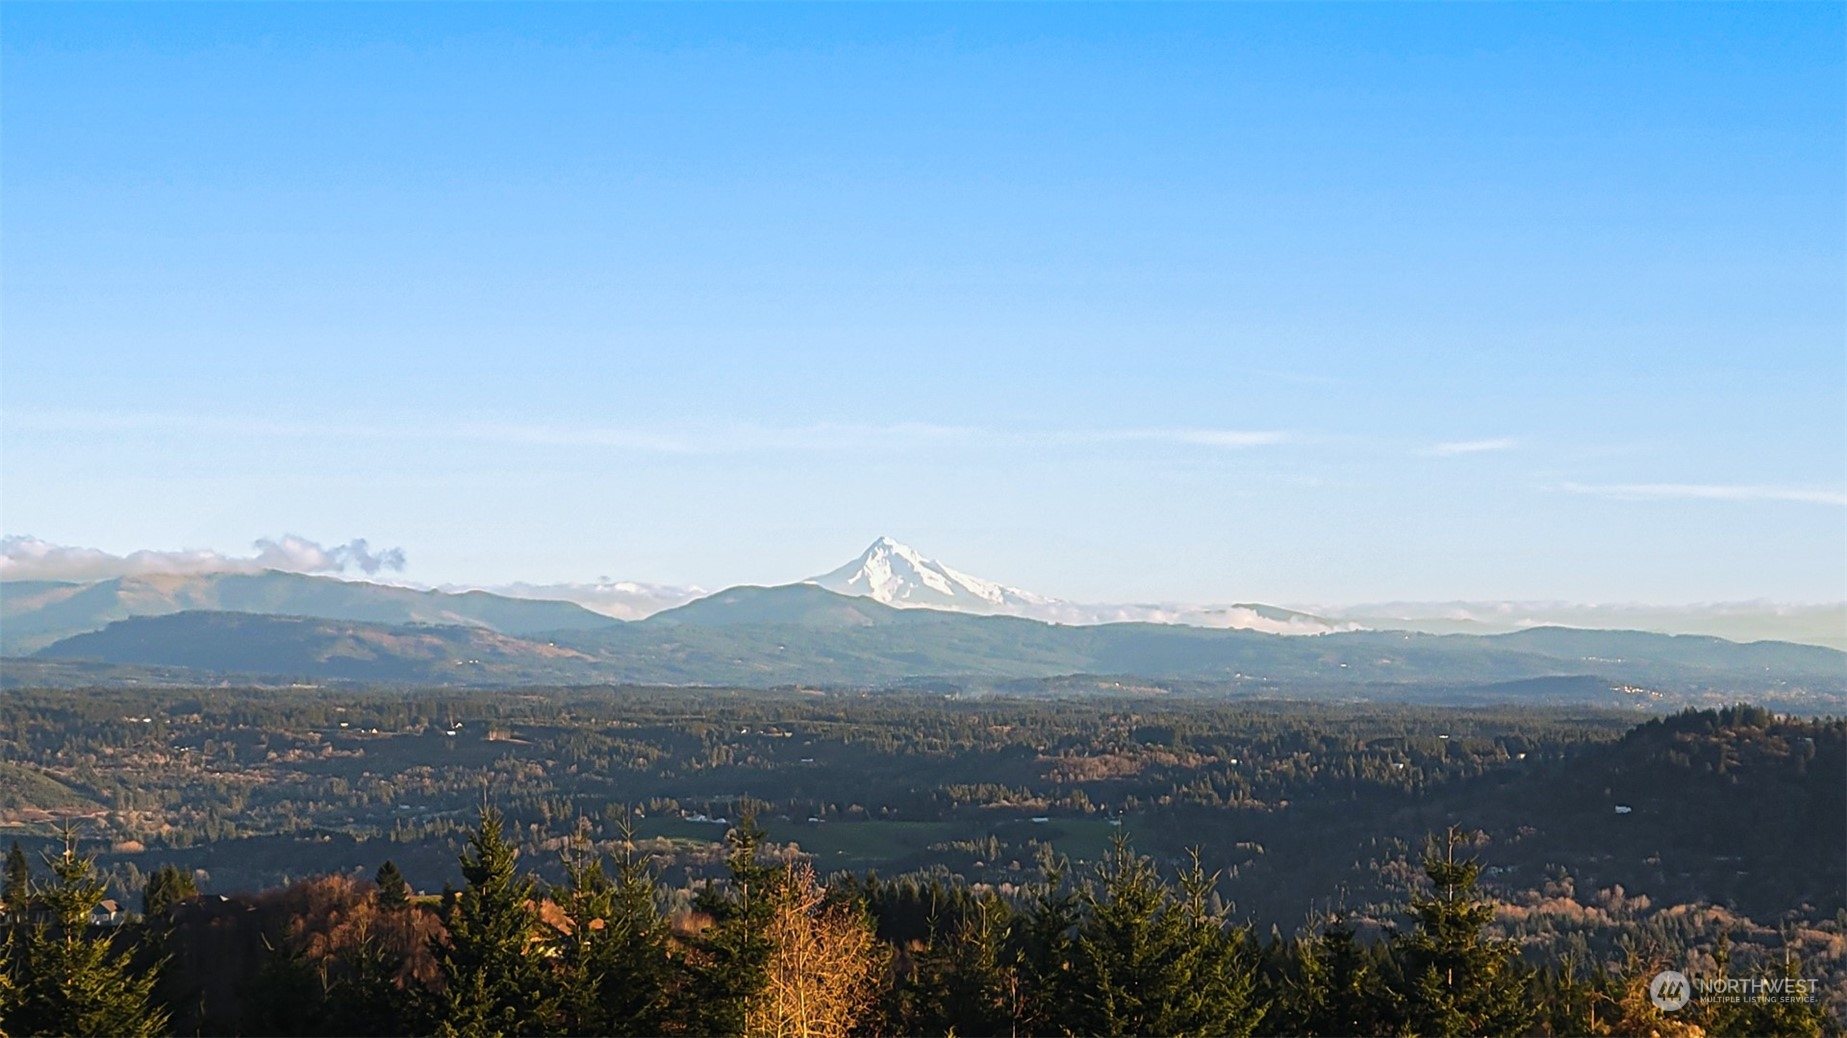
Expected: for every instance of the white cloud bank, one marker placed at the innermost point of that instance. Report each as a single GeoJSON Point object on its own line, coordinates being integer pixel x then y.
{"type": "Point", "coordinates": [29, 558]}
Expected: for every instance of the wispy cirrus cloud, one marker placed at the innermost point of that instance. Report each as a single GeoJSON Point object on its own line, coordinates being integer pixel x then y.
{"type": "Point", "coordinates": [1197, 437]}
{"type": "Point", "coordinates": [1454, 448]}
{"type": "Point", "coordinates": [686, 439]}
{"type": "Point", "coordinates": [1709, 492]}
{"type": "Point", "coordinates": [1231, 437]}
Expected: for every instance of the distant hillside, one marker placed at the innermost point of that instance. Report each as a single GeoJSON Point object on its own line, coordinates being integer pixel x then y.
{"type": "Point", "coordinates": [803, 605]}
{"type": "Point", "coordinates": [1738, 804]}
{"type": "Point", "coordinates": [1689, 650]}
{"type": "Point", "coordinates": [34, 614]}
{"type": "Point", "coordinates": [311, 648]}
{"type": "Point", "coordinates": [17, 672]}
{"type": "Point", "coordinates": [802, 634]}
{"type": "Point", "coordinates": [1750, 778]}
{"type": "Point", "coordinates": [24, 788]}
{"type": "Point", "coordinates": [1824, 624]}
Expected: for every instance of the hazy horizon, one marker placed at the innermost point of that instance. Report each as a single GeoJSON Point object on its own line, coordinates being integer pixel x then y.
{"type": "Point", "coordinates": [24, 558]}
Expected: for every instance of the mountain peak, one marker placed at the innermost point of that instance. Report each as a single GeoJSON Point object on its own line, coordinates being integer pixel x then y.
{"type": "Point", "coordinates": [897, 574]}
{"type": "Point", "coordinates": [887, 548]}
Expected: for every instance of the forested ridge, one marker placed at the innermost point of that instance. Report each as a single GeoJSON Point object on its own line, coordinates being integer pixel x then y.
{"type": "Point", "coordinates": [765, 637]}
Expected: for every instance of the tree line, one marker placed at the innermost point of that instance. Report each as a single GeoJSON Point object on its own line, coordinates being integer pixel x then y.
{"type": "Point", "coordinates": [1122, 948]}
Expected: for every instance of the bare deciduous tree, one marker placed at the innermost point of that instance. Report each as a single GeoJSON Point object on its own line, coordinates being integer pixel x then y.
{"type": "Point", "coordinates": [823, 965]}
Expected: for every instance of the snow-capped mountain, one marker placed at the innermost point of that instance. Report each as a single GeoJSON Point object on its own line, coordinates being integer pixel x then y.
{"type": "Point", "coordinates": [898, 575]}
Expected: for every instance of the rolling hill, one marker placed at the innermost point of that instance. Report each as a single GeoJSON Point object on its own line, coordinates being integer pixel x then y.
{"type": "Point", "coordinates": [35, 614]}
{"type": "Point", "coordinates": [311, 648]}
{"type": "Point", "coordinates": [803, 634]}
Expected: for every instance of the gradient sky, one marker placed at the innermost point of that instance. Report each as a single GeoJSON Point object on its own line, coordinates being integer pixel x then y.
{"type": "Point", "coordinates": [1257, 302]}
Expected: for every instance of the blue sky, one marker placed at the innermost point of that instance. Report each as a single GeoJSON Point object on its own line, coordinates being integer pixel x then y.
{"type": "Point", "coordinates": [1273, 302]}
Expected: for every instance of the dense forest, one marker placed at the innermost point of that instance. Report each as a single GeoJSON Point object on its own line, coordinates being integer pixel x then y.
{"type": "Point", "coordinates": [1120, 949]}
{"type": "Point", "coordinates": [678, 861]}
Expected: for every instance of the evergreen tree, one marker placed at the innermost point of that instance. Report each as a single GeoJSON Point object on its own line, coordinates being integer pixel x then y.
{"type": "Point", "coordinates": [735, 951]}
{"type": "Point", "coordinates": [17, 888]}
{"type": "Point", "coordinates": [618, 976]}
{"type": "Point", "coordinates": [1339, 988]}
{"type": "Point", "coordinates": [1043, 948]}
{"type": "Point", "coordinates": [167, 887]}
{"type": "Point", "coordinates": [1153, 960]}
{"type": "Point", "coordinates": [588, 900]}
{"type": "Point", "coordinates": [71, 980]}
{"type": "Point", "coordinates": [365, 999]}
{"type": "Point", "coordinates": [493, 984]}
{"type": "Point", "coordinates": [646, 980]}
{"type": "Point", "coordinates": [1222, 996]}
{"type": "Point", "coordinates": [8, 990]}
{"type": "Point", "coordinates": [1575, 1001]}
{"type": "Point", "coordinates": [1456, 980]}
{"type": "Point", "coordinates": [963, 981]}
{"type": "Point", "coordinates": [393, 890]}
{"type": "Point", "coordinates": [287, 998]}
{"type": "Point", "coordinates": [1127, 950]}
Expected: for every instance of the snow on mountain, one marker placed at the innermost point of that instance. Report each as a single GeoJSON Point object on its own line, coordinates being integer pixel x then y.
{"type": "Point", "coordinates": [622, 599]}
{"type": "Point", "coordinates": [898, 575]}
